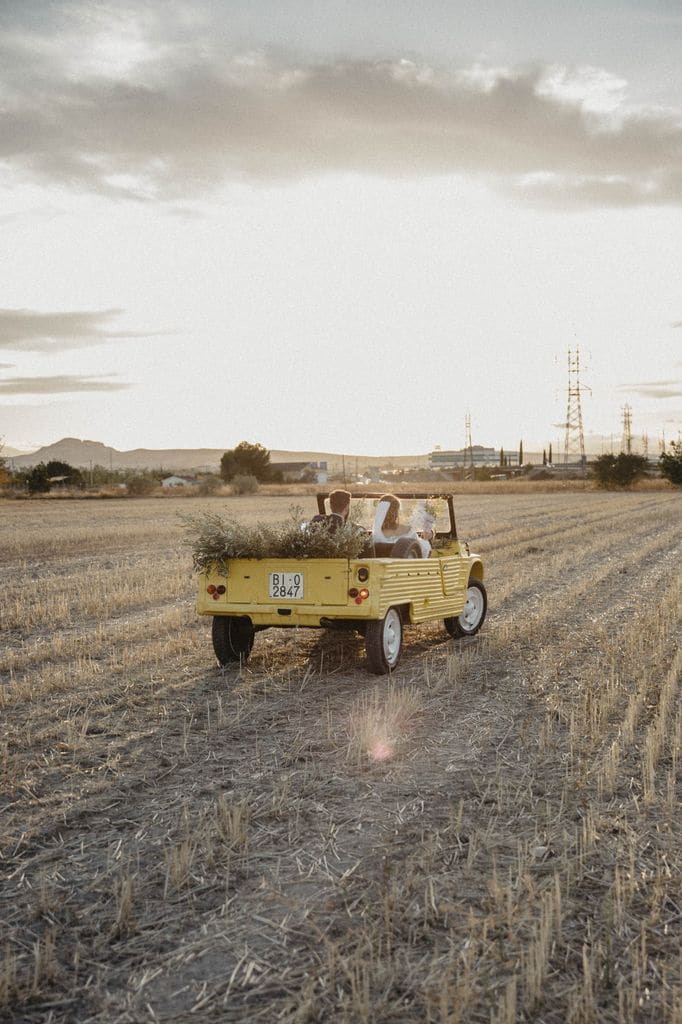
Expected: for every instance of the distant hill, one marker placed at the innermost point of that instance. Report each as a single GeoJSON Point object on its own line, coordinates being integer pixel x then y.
{"type": "Point", "coordinates": [84, 454]}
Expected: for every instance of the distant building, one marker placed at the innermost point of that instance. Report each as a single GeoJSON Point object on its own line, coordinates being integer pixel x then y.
{"type": "Point", "coordinates": [178, 481]}
{"type": "Point", "coordinates": [459, 458]}
{"type": "Point", "coordinates": [313, 472]}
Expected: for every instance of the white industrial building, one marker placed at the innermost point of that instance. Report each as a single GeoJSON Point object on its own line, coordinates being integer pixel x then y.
{"type": "Point", "coordinates": [476, 455]}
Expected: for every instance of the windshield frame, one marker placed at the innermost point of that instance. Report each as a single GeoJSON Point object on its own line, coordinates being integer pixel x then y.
{"type": "Point", "coordinates": [450, 534]}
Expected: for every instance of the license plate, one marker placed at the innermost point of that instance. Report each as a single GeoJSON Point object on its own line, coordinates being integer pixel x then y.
{"type": "Point", "coordinates": [286, 585]}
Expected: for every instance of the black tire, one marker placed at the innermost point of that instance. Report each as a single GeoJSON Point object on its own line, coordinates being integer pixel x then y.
{"type": "Point", "coordinates": [471, 619]}
{"type": "Point", "coordinates": [383, 642]}
{"type": "Point", "coordinates": [232, 638]}
{"type": "Point", "coordinates": [406, 547]}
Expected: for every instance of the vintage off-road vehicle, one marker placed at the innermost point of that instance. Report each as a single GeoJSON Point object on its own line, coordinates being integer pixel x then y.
{"type": "Point", "coordinates": [393, 583]}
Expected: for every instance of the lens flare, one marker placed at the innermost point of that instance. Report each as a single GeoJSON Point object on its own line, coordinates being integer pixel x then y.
{"type": "Point", "coordinates": [380, 750]}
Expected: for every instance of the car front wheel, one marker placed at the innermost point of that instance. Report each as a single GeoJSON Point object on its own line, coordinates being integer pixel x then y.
{"type": "Point", "coordinates": [473, 613]}
{"type": "Point", "coordinates": [383, 642]}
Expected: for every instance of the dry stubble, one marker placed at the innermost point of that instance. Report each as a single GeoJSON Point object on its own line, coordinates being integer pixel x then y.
{"type": "Point", "coordinates": [494, 835]}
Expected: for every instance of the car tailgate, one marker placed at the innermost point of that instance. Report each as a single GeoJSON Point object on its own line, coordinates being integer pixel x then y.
{"type": "Point", "coordinates": [281, 581]}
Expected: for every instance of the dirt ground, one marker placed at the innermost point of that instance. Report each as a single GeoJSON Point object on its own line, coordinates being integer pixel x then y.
{"type": "Point", "coordinates": [492, 835]}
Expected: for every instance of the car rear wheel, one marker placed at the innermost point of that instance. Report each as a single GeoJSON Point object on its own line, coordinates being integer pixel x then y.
{"type": "Point", "coordinates": [473, 613]}
{"type": "Point", "coordinates": [232, 638]}
{"type": "Point", "coordinates": [383, 642]}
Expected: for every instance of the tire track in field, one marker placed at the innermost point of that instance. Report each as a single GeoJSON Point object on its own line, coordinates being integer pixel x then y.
{"type": "Point", "coordinates": [527, 535]}
{"type": "Point", "coordinates": [572, 510]}
{"type": "Point", "coordinates": [570, 562]}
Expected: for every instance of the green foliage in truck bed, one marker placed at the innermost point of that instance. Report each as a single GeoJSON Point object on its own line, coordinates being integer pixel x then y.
{"type": "Point", "coordinates": [214, 540]}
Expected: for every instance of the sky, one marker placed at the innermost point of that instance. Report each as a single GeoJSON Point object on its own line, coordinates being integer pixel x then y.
{"type": "Point", "coordinates": [339, 226]}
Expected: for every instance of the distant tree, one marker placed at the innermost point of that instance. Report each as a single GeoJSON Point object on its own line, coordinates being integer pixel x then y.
{"type": "Point", "coordinates": [56, 468]}
{"type": "Point", "coordinates": [72, 476]}
{"type": "Point", "coordinates": [4, 475]}
{"type": "Point", "coordinates": [502, 459]}
{"type": "Point", "coordinates": [246, 460]}
{"type": "Point", "coordinates": [99, 476]}
{"type": "Point", "coordinates": [38, 479]}
{"type": "Point", "coordinates": [521, 453]}
{"type": "Point", "coordinates": [670, 463]}
{"type": "Point", "coordinates": [544, 457]}
{"type": "Point", "coordinates": [549, 456]}
{"type": "Point", "coordinates": [140, 484]}
{"type": "Point", "coordinates": [620, 470]}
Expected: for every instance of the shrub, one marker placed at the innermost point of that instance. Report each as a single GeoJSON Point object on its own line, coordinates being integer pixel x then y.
{"type": "Point", "coordinates": [244, 483]}
{"type": "Point", "coordinates": [38, 479]}
{"type": "Point", "coordinates": [215, 540]}
{"type": "Point", "coordinates": [619, 470]}
{"type": "Point", "coordinates": [4, 475]}
{"type": "Point", "coordinates": [140, 485]}
{"type": "Point", "coordinates": [208, 484]}
{"type": "Point", "coordinates": [671, 463]}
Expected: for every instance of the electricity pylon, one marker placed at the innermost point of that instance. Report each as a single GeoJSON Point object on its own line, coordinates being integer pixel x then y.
{"type": "Point", "coordinates": [468, 446]}
{"type": "Point", "coordinates": [574, 438]}
{"type": "Point", "coordinates": [626, 443]}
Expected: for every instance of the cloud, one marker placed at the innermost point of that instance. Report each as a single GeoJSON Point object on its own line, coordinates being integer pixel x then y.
{"type": "Point", "coordinates": [678, 323]}
{"type": "Point", "coordinates": [26, 330]}
{"type": "Point", "coordinates": [177, 122]}
{"type": "Point", "coordinates": [655, 389]}
{"type": "Point", "coordinates": [58, 385]}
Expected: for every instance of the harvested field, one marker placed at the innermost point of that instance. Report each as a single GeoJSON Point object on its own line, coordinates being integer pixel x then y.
{"type": "Point", "coordinates": [493, 835]}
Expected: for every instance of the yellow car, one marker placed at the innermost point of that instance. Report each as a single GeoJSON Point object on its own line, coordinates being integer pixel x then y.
{"type": "Point", "coordinates": [417, 572]}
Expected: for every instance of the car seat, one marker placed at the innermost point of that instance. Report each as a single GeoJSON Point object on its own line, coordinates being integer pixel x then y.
{"type": "Point", "coordinates": [385, 544]}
